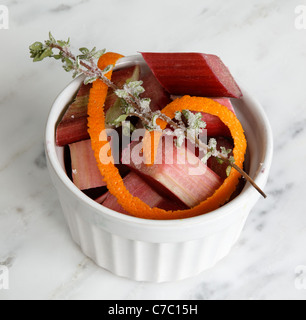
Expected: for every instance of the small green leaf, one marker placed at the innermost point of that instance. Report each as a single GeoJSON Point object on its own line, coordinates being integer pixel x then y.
{"type": "Point", "coordinates": [83, 57]}
{"type": "Point", "coordinates": [69, 65]}
{"type": "Point", "coordinates": [43, 54]}
{"type": "Point", "coordinates": [68, 62]}
{"type": "Point", "coordinates": [108, 69]}
{"type": "Point", "coordinates": [135, 76]}
{"type": "Point", "coordinates": [119, 120]}
{"type": "Point", "coordinates": [47, 53]}
{"type": "Point", "coordinates": [135, 84]}
{"type": "Point", "coordinates": [93, 51]}
{"type": "Point", "coordinates": [135, 88]}
{"type": "Point", "coordinates": [36, 46]}
{"type": "Point", "coordinates": [228, 170]}
{"type": "Point", "coordinates": [90, 79]}
{"type": "Point", "coordinates": [99, 53]}
{"type": "Point", "coordinates": [225, 151]}
{"type": "Point", "coordinates": [186, 114]}
{"type": "Point", "coordinates": [206, 157]}
{"type": "Point", "coordinates": [178, 116]}
{"type": "Point", "coordinates": [145, 106]}
{"type": "Point", "coordinates": [36, 59]}
{"type": "Point", "coordinates": [77, 62]}
{"type": "Point", "coordinates": [63, 43]}
{"type": "Point", "coordinates": [114, 112]}
{"type": "Point", "coordinates": [84, 50]}
{"type": "Point", "coordinates": [121, 93]}
{"type": "Point", "coordinates": [150, 129]}
{"type": "Point", "coordinates": [232, 160]}
{"type": "Point", "coordinates": [220, 161]}
{"type": "Point", "coordinates": [75, 74]}
{"type": "Point", "coordinates": [51, 38]}
{"type": "Point", "coordinates": [57, 56]}
{"type": "Point", "coordinates": [212, 144]}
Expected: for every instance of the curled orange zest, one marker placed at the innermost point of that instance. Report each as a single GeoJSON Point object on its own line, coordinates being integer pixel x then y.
{"type": "Point", "coordinates": [134, 205]}
{"type": "Point", "coordinates": [96, 116]}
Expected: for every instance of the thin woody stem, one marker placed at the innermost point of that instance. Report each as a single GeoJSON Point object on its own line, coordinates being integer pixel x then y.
{"type": "Point", "coordinates": [93, 71]}
{"type": "Point", "coordinates": [140, 116]}
{"type": "Point", "coordinates": [248, 178]}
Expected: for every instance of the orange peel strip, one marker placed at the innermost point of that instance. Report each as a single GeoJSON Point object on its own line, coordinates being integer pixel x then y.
{"type": "Point", "coordinates": [95, 112]}
{"type": "Point", "coordinates": [134, 205]}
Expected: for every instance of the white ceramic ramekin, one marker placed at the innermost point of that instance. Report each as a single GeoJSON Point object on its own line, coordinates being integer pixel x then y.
{"type": "Point", "coordinates": [158, 251]}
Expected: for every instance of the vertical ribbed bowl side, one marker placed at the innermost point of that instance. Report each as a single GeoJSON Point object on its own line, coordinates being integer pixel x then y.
{"type": "Point", "coordinates": [148, 261]}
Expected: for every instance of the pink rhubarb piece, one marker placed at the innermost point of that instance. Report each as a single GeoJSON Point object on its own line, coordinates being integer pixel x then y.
{"type": "Point", "coordinates": [85, 172]}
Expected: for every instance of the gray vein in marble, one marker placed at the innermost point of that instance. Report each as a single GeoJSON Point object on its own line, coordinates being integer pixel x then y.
{"type": "Point", "coordinates": [290, 133]}
{"type": "Point", "coordinates": [65, 7]}
{"type": "Point", "coordinates": [260, 12]}
{"type": "Point", "coordinates": [208, 291]}
{"type": "Point", "coordinates": [16, 156]}
{"type": "Point", "coordinates": [260, 227]}
{"type": "Point", "coordinates": [41, 161]}
{"type": "Point", "coordinates": [81, 271]}
{"type": "Point", "coordinates": [279, 192]}
{"type": "Point", "coordinates": [298, 128]}
{"type": "Point", "coordinates": [61, 7]}
{"type": "Point", "coordinates": [204, 11]}
{"type": "Point", "coordinates": [8, 262]}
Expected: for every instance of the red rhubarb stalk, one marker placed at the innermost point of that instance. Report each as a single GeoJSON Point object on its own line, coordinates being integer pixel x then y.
{"type": "Point", "coordinates": [73, 126]}
{"type": "Point", "coordinates": [153, 90]}
{"type": "Point", "coordinates": [214, 126]}
{"type": "Point", "coordinates": [195, 74]}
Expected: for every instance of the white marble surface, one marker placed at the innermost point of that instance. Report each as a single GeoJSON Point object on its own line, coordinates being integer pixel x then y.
{"type": "Point", "coordinates": [259, 42]}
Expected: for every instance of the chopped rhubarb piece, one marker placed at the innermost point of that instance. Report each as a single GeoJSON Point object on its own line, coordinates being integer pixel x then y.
{"type": "Point", "coordinates": [214, 164]}
{"type": "Point", "coordinates": [214, 126]}
{"type": "Point", "coordinates": [120, 77]}
{"type": "Point", "coordinates": [194, 74]}
{"type": "Point", "coordinates": [179, 172]}
{"type": "Point", "coordinates": [153, 90]}
{"type": "Point", "coordinates": [73, 126]}
{"type": "Point", "coordinates": [85, 172]}
{"type": "Point", "coordinates": [139, 188]}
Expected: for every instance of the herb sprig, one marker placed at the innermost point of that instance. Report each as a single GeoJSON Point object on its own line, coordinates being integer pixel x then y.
{"type": "Point", "coordinates": [186, 125]}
